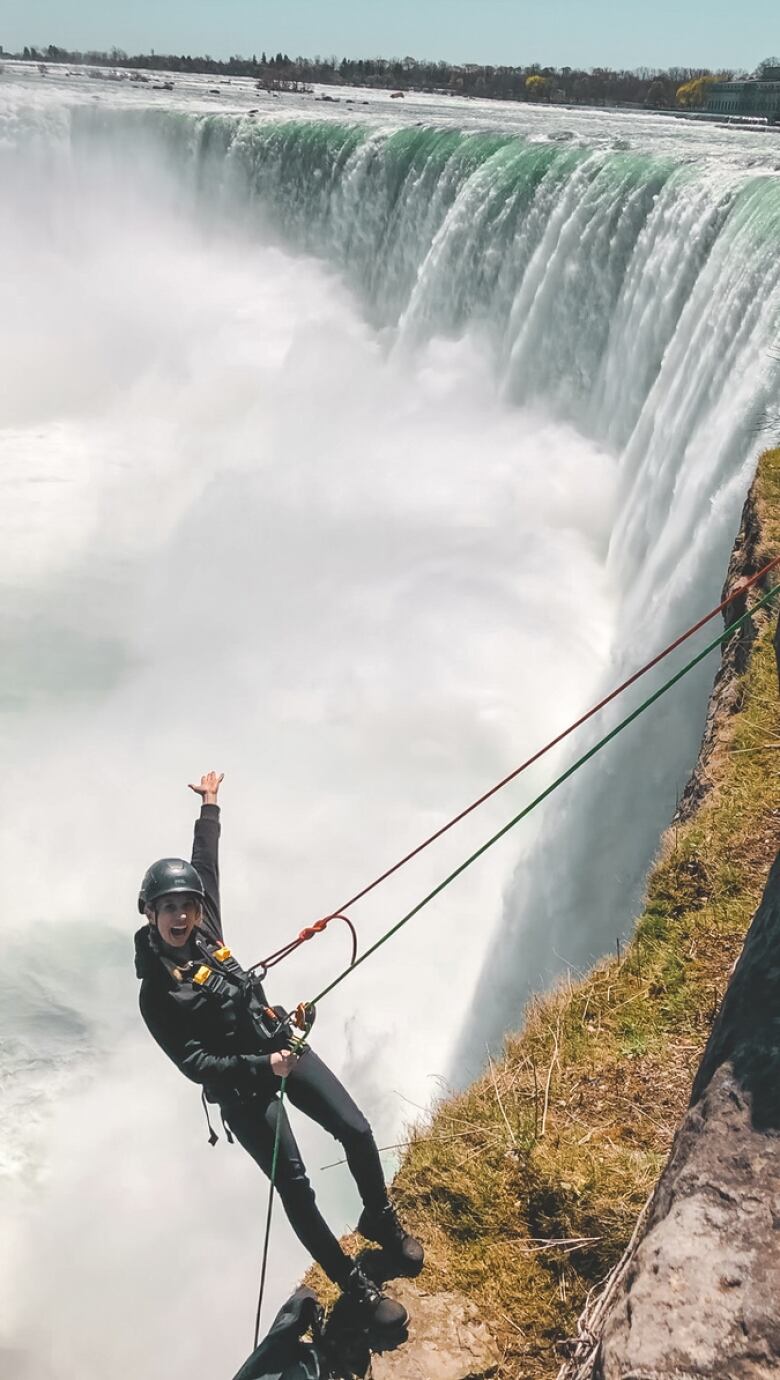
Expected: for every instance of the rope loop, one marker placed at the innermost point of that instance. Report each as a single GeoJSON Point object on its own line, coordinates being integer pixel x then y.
{"type": "Point", "coordinates": [308, 932]}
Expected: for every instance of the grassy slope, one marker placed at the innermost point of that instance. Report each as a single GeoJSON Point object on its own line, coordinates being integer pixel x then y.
{"type": "Point", "coordinates": [564, 1138]}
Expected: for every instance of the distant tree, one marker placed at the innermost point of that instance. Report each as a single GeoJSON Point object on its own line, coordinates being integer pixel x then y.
{"type": "Point", "coordinates": [693, 94]}
{"type": "Point", "coordinates": [537, 86]}
{"type": "Point", "coordinates": [768, 70]}
{"type": "Point", "coordinates": [531, 82]}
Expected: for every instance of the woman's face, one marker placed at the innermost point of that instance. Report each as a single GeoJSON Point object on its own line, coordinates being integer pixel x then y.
{"type": "Point", "coordinates": [177, 916]}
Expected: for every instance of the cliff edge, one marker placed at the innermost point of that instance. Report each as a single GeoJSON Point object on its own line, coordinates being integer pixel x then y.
{"type": "Point", "coordinates": [526, 1189]}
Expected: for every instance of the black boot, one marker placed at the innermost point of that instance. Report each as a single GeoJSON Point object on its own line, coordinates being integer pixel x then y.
{"type": "Point", "coordinates": [385, 1228]}
{"type": "Point", "coordinates": [377, 1309]}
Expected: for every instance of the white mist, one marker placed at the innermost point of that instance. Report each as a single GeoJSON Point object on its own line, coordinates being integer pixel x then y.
{"type": "Point", "coordinates": [238, 535]}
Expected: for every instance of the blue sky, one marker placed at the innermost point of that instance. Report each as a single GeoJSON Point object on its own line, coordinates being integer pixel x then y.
{"type": "Point", "coordinates": [618, 33]}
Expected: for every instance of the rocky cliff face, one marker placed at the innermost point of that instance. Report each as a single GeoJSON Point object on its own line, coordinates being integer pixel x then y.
{"type": "Point", "coordinates": [752, 551]}
{"type": "Point", "coordinates": [696, 1294]}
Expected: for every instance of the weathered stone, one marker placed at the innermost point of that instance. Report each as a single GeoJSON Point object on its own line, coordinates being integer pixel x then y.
{"type": "Point", "coordinates": [697, 1295]}
{"type": "Point", "coordinates": [748, 557]}
{"type": "Point", "coordinates": [447, 1340]}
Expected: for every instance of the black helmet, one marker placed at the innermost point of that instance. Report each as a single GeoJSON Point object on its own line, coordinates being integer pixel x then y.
{"type": "Point", "coordinates": [166, 876]}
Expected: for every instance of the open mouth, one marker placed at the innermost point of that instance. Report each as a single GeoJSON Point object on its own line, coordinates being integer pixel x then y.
{"type": "Point", "coordinates": [178, 931]}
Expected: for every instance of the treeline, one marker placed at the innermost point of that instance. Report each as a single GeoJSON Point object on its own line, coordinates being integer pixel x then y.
{"type": "Point", "coordinates": [600, 86]}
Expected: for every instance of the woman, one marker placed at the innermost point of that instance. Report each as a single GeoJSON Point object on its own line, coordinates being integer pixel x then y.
{"type": "Point", "coordinates": [212, 1019]}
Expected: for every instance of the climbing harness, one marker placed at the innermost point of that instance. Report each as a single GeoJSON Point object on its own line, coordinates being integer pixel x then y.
{"type": "Point", "coordinates": [306, 1011]}
{"type": "Point", "coordinates": [216, 977]}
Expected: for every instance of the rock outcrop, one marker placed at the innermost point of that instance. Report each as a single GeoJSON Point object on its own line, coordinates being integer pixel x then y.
{"type": "Point", "coordinates": [697, 1294]}
{"type": "Point", "coordinates": [447, 1340]}
{"type": "Point", "coordinates": [749, 555]}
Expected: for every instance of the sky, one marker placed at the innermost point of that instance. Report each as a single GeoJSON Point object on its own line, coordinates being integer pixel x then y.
{"type": "Point", "coordinates": [577, 33]}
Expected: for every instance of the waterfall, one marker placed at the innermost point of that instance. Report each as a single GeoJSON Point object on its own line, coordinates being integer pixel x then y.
{"type": "Point", "coordinates": [355, 457]}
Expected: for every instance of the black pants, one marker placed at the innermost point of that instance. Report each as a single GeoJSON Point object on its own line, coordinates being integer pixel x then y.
{"type": "Point", "coordinates": [313, 1089]}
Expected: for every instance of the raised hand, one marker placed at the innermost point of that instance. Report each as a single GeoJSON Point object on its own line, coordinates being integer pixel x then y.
{"type": "Point", "coordinates": [209, 786]}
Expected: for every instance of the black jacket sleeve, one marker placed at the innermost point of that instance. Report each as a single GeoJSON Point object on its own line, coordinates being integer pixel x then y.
{"type": "Point", "coordinates": [205, 860]}
{"type": "Point", "coordinates": [221, 1074]}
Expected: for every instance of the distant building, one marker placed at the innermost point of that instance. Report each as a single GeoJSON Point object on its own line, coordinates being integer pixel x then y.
{"type": "Point", "coordinates": [753, 99]}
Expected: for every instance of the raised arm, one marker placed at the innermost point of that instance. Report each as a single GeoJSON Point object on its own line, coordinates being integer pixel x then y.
{"type": "Point", "coordinates": [205, 848]}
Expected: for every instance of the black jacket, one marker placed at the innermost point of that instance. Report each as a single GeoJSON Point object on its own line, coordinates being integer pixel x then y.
{"type": "Point", "coordinates": [215, 1042]}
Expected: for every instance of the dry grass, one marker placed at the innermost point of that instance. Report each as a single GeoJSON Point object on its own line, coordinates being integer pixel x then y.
{"type": "Point", "coordinates": [525, 1189]}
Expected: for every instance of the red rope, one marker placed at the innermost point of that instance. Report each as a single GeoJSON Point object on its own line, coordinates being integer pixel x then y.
{"type": "Point", "coordinates": [735, 593]}
{"type": "Point", "coordinates": [311, 930]}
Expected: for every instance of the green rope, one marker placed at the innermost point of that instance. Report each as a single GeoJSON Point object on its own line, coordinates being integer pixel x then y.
{"type": "Point", "coordinates": [274, 1162]}
{"type": "Point", "coordinates": [717, 642]}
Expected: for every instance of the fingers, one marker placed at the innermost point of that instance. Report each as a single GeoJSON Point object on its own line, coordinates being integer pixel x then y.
{"type": "Point", "coordinates": [210, 781]}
